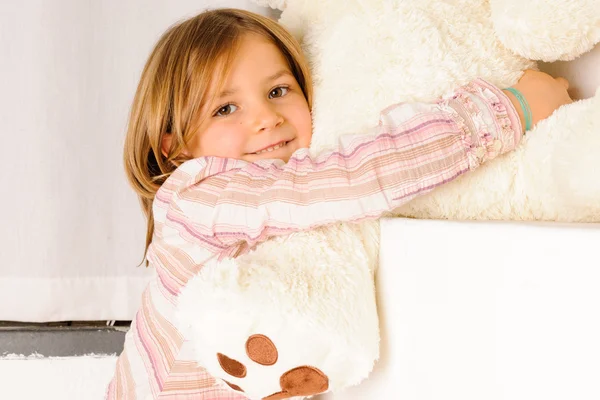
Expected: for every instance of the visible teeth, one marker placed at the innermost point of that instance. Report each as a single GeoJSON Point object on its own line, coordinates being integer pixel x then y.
{"type": "Point", "coordinates": [272, 148]}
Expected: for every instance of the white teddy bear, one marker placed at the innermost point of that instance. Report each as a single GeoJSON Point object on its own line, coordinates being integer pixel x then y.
{"type": "Point", "coordinates": [298, 314]}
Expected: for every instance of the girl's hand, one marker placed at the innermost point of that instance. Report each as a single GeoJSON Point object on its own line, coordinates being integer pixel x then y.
{"type": "Point", "coordinates": [543, 93]}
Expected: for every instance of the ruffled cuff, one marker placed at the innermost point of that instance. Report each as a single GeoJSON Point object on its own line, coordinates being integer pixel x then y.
{"type": "Point", "coordinates": [488, 119]}
{"type": "Point", "coordinates": [503, 108]}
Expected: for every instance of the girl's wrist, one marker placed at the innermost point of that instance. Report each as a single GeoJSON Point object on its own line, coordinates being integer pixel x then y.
{"type": "Point", "coordinates": [521, 106]}
{"type": "Point", "coordinates": [518, 107]}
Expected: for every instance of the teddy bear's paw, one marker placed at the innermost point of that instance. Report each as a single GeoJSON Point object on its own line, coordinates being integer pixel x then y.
{"type": "Point", "coordinates": [299, 381]}
{"type": "Point", "coordinates": [574, 160]}
{"type": "Point", "coordinates": [307, 294]}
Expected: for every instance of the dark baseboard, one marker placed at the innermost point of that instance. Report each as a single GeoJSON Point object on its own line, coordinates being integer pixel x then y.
{"type": "Point", "coordinates": [62, 339]}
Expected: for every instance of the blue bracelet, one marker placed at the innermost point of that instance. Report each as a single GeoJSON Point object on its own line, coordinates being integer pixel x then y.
{"type": "Point", "coordinates": [524, 106]}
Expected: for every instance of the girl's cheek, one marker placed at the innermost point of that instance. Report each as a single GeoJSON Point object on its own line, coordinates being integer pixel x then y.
{"type": "Point", "coordinates": [232, 144]}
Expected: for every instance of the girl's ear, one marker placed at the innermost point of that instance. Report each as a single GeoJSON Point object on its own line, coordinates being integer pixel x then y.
{"type": "Point", "coordinates": [165, 144]}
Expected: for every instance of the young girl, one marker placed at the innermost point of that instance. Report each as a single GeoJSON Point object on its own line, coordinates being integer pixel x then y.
{"type": "Point", "coordinates": [217, 151]}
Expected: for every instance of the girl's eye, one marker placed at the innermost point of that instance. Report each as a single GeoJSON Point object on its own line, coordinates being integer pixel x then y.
{"type": "Point", "coordinates": [226, 110]}
{"type": "Point", "coordinates": [278, 92]}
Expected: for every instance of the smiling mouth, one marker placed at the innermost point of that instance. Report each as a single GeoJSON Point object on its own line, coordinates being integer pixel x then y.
{"type": "Point", "coordinates": [273, 148]}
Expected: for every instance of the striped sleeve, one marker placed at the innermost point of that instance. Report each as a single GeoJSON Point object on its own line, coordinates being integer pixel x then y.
{"type": "Point", "coordinates": [221, 203]}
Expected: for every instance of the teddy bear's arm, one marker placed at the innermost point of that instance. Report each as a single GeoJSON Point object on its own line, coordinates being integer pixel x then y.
{"type": "Point", "coordinates": [547, 30]}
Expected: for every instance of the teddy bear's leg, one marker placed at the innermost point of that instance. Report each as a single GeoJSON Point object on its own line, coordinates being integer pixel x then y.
{"type": "Point", "coordinates": [294, 317]}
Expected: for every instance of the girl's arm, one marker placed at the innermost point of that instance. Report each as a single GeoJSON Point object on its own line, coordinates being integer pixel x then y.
{"type": "Point", "coordinates": [220, 203]}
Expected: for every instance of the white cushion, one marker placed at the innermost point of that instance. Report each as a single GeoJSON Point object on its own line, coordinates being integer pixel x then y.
{"type": "Point", "coordinates": [482, 310]}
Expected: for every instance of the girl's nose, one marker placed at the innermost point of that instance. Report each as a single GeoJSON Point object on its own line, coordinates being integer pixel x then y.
{"type": "Point", "coordinates": [267, 117]}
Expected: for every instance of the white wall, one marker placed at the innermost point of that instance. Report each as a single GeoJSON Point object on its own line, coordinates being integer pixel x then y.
{"type": "Point", "coordinates": [71, 232]}
{"type": "Point", "coordinates": [583, 73]}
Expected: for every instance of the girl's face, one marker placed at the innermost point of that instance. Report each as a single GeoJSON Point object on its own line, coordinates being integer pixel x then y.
{"type": "Point", "coordinates": [261, 112]}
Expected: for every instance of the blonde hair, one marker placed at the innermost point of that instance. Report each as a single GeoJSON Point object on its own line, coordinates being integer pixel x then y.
{"type": "Point", "coordinates": [175, 84]}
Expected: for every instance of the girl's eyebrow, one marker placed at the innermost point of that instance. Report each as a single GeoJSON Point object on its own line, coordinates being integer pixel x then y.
{"type": "Point", "coordinates": [226, 93]}
{"type": "Point", "coordinates": [276, 75]}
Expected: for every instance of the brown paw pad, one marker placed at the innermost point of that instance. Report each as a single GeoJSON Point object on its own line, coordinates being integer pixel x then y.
{"type": "Point", "coordinates": [261, 350]}
{"type": "Point", "coordinates": [299, 381]}
{"type": "Point", "coordinates": [231, 366]}
{"type": "Point", "coordinates": [234, 387]}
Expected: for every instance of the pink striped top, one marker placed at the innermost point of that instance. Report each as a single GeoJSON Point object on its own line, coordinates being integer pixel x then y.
{"type": "Point", "coordinates": [215, 207]}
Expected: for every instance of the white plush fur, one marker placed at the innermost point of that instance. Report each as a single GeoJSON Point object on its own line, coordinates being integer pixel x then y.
{"type": "Point", "coordinates": [275, 4]}
{"type": "Point", "coordinates": [567, 30]}
{"type": "Point", "coordinates": [312, 292]}
{"type": "Point", "coordinates": [287, 291]}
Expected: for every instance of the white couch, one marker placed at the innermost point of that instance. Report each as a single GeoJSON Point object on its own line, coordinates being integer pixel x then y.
{"type": "Point", "coordinates": [476, 310]}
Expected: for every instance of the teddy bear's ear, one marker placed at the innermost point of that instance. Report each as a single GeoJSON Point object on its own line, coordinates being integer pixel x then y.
{"type": "Point", "coordinates": [547, 30]}
{"type": "Point", "coordinates": [275, 4]}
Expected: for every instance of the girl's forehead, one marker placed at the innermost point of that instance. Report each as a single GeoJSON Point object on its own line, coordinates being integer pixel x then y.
{"type": "Point", "coordinates": [258, 47]}
{"type": "Point", "coordinates": [256, 57]}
